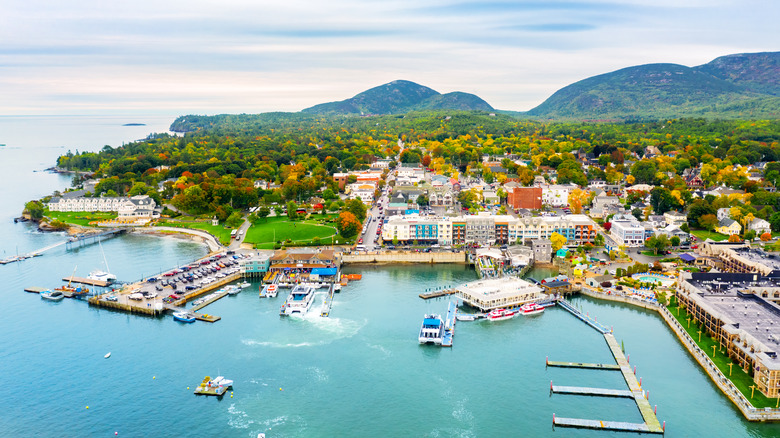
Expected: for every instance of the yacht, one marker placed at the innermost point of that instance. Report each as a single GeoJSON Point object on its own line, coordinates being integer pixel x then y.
{"type": "Point", "coordinates": [102, 276]}
{"type": "Point", "coordinates": [299, 301]}
{"type": "Point", "coordinates": [432, 330]}
{"type": "Point", "coordinates": [531, 309]}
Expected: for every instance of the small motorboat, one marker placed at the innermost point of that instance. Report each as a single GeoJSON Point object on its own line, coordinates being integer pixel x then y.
{"type": "Point", "coordinates": [183, 317]}
{"type": "Point", "coordinates": [52, 295]}
{"type": "Point", "coordinates": [466, 317]}
{"type": "Point", "coordinates": [272, 290]}
{"type": "Point", "coordinates": [244, 285]}
{"type": "Point", "coordinates": [221, 381]}
{"type": "Point", "coordinates": [107, 355]}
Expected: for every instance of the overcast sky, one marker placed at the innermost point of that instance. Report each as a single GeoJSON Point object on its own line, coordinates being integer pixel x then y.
{"type": "Point", "coordinates": [227, 56]}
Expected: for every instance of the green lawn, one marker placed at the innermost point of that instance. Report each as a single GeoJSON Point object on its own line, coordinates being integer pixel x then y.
{"type": "Point", "coordinates": [266, 233]}
{"type": "Point", "coordinates": [82, 218]}
{"type": "Point", "coordinates": [739, 377]}
{"type": "Point", "coordinates": [704, 235]}
{"type": "Point", "coordinates": [221, 233]}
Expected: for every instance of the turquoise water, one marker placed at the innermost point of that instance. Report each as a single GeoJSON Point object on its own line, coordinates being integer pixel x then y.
{"type": "Point", "coordinates": [359, 373]}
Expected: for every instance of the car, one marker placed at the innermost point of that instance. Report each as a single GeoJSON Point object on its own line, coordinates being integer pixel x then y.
{"type": "Point", "coordinates": [360, 240]}
{"type": "Point", "coordinates": [151, 279]}
{"type": "Point", "coordinates": [158, 287]}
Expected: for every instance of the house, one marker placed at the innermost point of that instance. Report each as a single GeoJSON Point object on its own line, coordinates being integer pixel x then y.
{"type": "Point", "coordinates": [723, 213]}
{"type": "Point", "coordinates": [628, 233]}
{"type": "Point", "coordinates": [556, 195]}
{"type": "Point", "coordinates": [673, 231]}
{"type": "Point", "coordinates": [600, 202]}
{"type": "Point", "coordinates": [728, 227]}
{"type": "Point", "coordinates": [542, 249]}
{"type": "Point", "coordinates": [760, 226]}
{"type": "Point", "coordinates": [490, 197]}
{"type": "Point", "coordinates": [652, 151]}
{"type": "Point", "coordinates": [675, 217]}
{"type": "Point", "coordinates": [657, 220]}
{"type": "Point", "coordinates": [441, 197]}
{"type": "Point", "coordinates": [596, 281]}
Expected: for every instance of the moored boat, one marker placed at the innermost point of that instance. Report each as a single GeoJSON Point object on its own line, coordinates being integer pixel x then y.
{"type": "Point", "coordinates": [432, 329]}
{"type": "Point", "coordinates": [467, 317]}
{"type": "Point", "coordinates": [52, 295]}
{"type": "Point", "coordinates": [500, 314]}
{"type": "Point", "coordinates": [102, 276]}
{"type": "Point", "coordinates": [221, 381]}
{"type": "Point", "coordinates": [299, 301]}
{"type": "Point", "coordinates": [244, 285]}
{"type": "Point", "coordinates": [531, 309]}
{"type": "Point", "coordinates": [271, 290]}
{"type": "Point", "coordinates": [183, 317]}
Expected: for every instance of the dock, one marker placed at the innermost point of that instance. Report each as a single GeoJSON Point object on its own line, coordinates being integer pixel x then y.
{"type": "Point", "coordinates": [589, 366]}
{"type": "Point", "coordinates": [325, 310]}
{"type": "Point", "coordinates": [600, 392]}
{"type": "Point", "coordinates": [205, 389]}
{"type": "Point", "coordinates": [601, 424]}
{"type": "Point", "coordinates": [216, 297]}
{"type": "Point", "coordinates": [89, 281]}
{"type": "Point", "coordinates": [449, 325]}
{"type": "Point", "coordinates": [437, 293]}
{"type": "Point", "coordinates": [584, 317]}
{"type": "Point", "coordinates": [35, 289]}
{"type": "Point", "coordinates": [205, 317]}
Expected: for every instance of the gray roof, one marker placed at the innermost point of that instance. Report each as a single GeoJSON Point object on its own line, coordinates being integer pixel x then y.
{"type": "Point", "coordinates": [726, 222]}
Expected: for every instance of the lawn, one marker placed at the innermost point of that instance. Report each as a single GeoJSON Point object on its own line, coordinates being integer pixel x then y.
{"type": "Point", "coordinates": [82, 218]}
{"type": "Point", "coordinates": [222, 233]}
{"type": "Point", "coordinates": [739, 377]}
{"type": "Point", "coordinates": [267, 232]}
{"type": "Point", "coordinates": [704, 235]}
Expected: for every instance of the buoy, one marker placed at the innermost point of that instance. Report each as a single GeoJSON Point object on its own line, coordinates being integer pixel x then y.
{"type": "Point", "coordinates": [231, 395]}
{"type": "Point", "coordinates": [87, 407]}
{"type": "Point", "coordinates": [188, 387]}
{"type": "Point", "coordinates": [280, 389]}
{"type": "Point", "coordinates": [154, 377]}
{"type": "Point", "coordinates": [116, 433]}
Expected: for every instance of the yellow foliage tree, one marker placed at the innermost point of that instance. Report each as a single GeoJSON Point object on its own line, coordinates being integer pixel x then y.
{"type": "Point", "coordinates": [630, 180]}
{"type": "Point", "coordinates": [557, 241]}
{"type": "Point", "coordinates": [577, 198]}
{"type": "Point", "coordinates": [734, 238]}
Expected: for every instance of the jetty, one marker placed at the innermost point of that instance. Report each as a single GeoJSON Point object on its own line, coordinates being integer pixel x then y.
{"type": "Point", "coordinates": [589, 366]}
{"type": "Point", "coordinates": [35, 289]}
{"type": "Point", "coordinates": [601, 424]}
{"type": "Point", "coordinates": [82, 239]}
{"type": "Point", "coordinates": [581, 390]}
{"type": "Point", "coordinates": [587, 319]}
{"type": "Point", "coordinates": [89, 281]}
{"type": "Point", "coordinates": [449, 324]}
{"type": "Point", "coordinates": [217, 296]}
{"type": "Point", "coordinates": [437, 293]}
{"type": "Point", "coordinates": [325, 310]}
{"type": "Point", "coordinates": [205, 317]}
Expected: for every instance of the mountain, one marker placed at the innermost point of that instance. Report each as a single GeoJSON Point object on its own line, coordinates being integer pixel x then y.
{"type": "Point", "coordinates": [734, 86]}
{"type": "Point", "coordinates": [400, 97]}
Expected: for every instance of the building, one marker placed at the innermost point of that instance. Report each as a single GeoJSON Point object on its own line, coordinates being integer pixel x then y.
{"type": "Point", "coordinates": [363, 191]}
{"type": "Point", "coordinates": [254, 265]}
{"type": "Point", "coordinates": [723, 213]}
{"type": "Point", "coordinates": [728, 227]}
{"type": "Point", "coordinates": [542, 250]}
{"type": "Point", "coordinates": [524, 197]}
{"type": "Point", "coordinates": [303, 260]}
{"type": "Point", "coordinates": [760, 226]}
{"type": "Point", "coordinates": [136, 207]}
{"type": "Point", "coordinates": [739, 311]}
{"type": "Point", "coordinates": [601, 204]}
{"type": "Point", "coordinates": [497, 293]}
{"type": "Point", "coordinates": [441, 198]}
{"type": "Point", "coordinates": [673, 231]}
{"type": "Point", "coordinates": [596, 282]}
{"type": "Point", "coordinates": [556, 285]}
{"type": "Point", "coordinates": [628, 233]}
{"type": "Point", "coordinates": [675, 217]}
{"type": "Point", "coordinates": [555, 195]}
{"type": "Point", "coordinates": [744, 259]}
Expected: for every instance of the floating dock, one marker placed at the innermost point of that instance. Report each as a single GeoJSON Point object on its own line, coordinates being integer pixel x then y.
{"type": "Point", "coordinates": [35, 289]}
{"type": "Point", "coordinates": [218, 296]}
{"type": "Point", "coordinates": [205, 389]}
{"type": "Point", "coordinates": [437, 293]}
{"type": "Point", "coordinates": [449, 324]}
{"type": "Point", "coordinates": [600, 424]}
{"type": "Point", "coordinates": [589, 366]}
{"type": "Point", "coordinates": [601, 392]}
{"type": "Point", "coordinates": [89, 281]}
{"type": "Point", "coordinates": [325, 310]}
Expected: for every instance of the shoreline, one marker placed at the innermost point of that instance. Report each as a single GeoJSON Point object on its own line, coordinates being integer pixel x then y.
{"type": "Point", "coordinates": [727, 388]}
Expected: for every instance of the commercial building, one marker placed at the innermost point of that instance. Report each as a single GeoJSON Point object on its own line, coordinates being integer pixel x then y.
{"type": "Point", "coordinates": [525, 197]}
{"type": "Point", "coordinates": [497, 293]}
{"type": "Point", "coordinates": [737, 311]}
{"type": "Point", "coordinates": [140, 207]}
{"type": "Point", "coordinates": [628, 233]}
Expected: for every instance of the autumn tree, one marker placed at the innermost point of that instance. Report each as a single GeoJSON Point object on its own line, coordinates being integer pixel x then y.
{"type": "Point", "coordinates": [766, 237]}
{"type": "Point", "coordinates": [708, 221]}
{"type": "Point", "coordinates": [558, 241]}
{"type": "Point", "coordinates": [347, 224]}
{"type": "Point", "coordinates": [734, 238]}
{"type": "Point", "coordinates": [577, 198]}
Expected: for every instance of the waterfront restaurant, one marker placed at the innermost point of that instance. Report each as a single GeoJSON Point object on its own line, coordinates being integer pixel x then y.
{"type": "Point", "coordinates": [497, 293]}
{"type": "Point", "coordinates": [736, 310]}
{"type": "Point", "coordinates": [302, 261]}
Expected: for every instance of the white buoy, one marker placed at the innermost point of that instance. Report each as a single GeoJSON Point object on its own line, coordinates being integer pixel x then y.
{"type": "Point", "coordinates": [107, 355]}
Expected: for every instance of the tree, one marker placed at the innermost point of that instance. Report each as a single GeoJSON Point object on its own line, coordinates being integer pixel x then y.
{"type": "Point", "coordinates": [577, 198]}
{"type": "Point", "coordinates": [328, 194]}
{"type": "Point", "coordinates": [422, 200]}
{"type": "Point", "coordinates": [708, 221]}
{"type": "Point", "coordinates": [644, 171]}
{"type": "Point", "coordinates": [34, 209]}
{"type": "Point", "coordinates": [347, 224]}
{"type": "Point", "coordinates": [774, 221]}
{"type": "Point", "coordinates": [357, 208]}
{"type": "Point", "coordinates": [675, 241]}
{"type": "Point", "coordinates": [278, 210]}
{"type": "Point", "coordinates": [558, 241]}
{"type": "Point", "coordinates": [766, 237]}
{"type": "Point", "coordinates": [750, 235]}
{"type": "Point", "coordinates": [637, 213]}
{"type": "Point", "coordinates": [662, 200]}
{"type": "Point", "coordinates": [234, 220]}
{"type": "Point", "coordinates": [292, 210]}
{"type": "Point", "coordinates": [658, 243]}
{"type": "Point", "coordinates": [599, 240]}
{"type": "Point", "coordinates": [263, 212]}
{"type": "Point", "coordinates": [734, 238]}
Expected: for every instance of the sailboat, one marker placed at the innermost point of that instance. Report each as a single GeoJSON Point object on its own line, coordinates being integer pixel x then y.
{"type": "Point", "coordinates": [99, 275]}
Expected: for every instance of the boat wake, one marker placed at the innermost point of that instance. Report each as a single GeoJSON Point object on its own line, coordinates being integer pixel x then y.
{"type": "Point", "coordinates": [319, 374]}
{"type": "Point", "coordinates": [328, 331]}
{"type": "Point", "coordinates": [381, 349]}
{"type": "Point", "coordinates": [239, 419]}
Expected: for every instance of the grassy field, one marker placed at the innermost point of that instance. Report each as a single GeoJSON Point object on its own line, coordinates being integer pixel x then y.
{"type": "Point", "coordinates": [704, 235]}
{"type": "Point", "coordinates": [222, 233]}
{"type": "Point", "coordinates": [82, 218]}
{"type": "Point", "coordinates": [266, 233]}
{"type": "Point", "coordinates": [739, 377]}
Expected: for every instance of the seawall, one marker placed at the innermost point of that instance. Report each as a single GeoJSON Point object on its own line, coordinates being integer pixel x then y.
{"type": "Point", "coordinates": [404, 257]}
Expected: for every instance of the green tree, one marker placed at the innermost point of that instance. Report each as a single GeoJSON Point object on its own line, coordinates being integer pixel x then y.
{"type": "Point", "coordinates": [662, 200]}
{"type": "Point", "coordinates": [675, 241]}
{"type": "Point", "coordinates": [34, 209]}
{"type": "Point", "coordinates": [644, 171]}
{"type": "Point", "coordinates": [422, 200]}
{"type": "Point", "coordinates": [234, 220]}
{"type": "Point", "coordinates": [357, 208]}
{"type": "Point", "coordinates": [263, 212]}
{"type": "Point", "coordinates": [709, 221]}
{"type": "Point", "coordinates": [292, 211]}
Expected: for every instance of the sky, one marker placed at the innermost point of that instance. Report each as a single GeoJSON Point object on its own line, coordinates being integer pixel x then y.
{"type": "Point", "coordinates": [249, 56]}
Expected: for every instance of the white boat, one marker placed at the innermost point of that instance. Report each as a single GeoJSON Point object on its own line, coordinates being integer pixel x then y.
{"type": "Point", "coordinates": [221, 381]}
{"type": "Point", "coordinates": [500, 314]}
{"type": "Point", "coordinates": [183, 317]}
{"type": "Point", "coordinates": [432, 329]}
{"type": "Point", "coordinates": [232, 289]}
{"type": "Point", "coordinates": [531, 309]}
{"type": "Point", "coordinates": [337, 287]}
{"type": "Point", "coordinates": [270, 291]}
{"type": "Point", "coordinates": [244, 285]}
{"type": "Point", "coordinates": [466, 317]}
{"type": "Point", "coordinates": [299, 301]}
{"type": "Point", "coordinates": [107, 355]}
{"type": "Point", "coordinates": [52, 295]}
{"type": "Point", "coordinates": [102, 276]}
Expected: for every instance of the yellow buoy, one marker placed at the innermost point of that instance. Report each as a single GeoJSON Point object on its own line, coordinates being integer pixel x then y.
{"type": "Point", "coordinates": [280, 389]}
{"type": "Point", "coordinates": [154, 377]}
{"type": "Point", "coordinates": [188, 387]}
{"type": "Point", "coordinates": [231, 395]}
{"type": "Point", "coordinates": [87, 407]}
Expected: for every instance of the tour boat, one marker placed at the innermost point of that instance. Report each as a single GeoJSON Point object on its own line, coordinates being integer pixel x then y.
{"type": "Point", "coordinates": [299, 301]}
{"type": "Point", "coordinates": [432, 330]}
{"type": "Point", "coordinates": [500, 314]}
{"type": "Point", "coordinates": [531, 309]}
{"type": "Point", "coordinates": [183, 317]}
{"type": "Point", "coordinates": [271, 290]}
{"type": "Point", "coordinates": [52, 295]}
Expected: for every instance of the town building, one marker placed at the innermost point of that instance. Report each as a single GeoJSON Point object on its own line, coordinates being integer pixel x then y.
{"type": "Point", "coordinates": [496, 293]}
{"type": "Point", "coordinates": [628, 233]}
{"type": "Point", "coordinates": [542, 249]}
{"type": "Point", "coordinates": [556, 195]}
{"type": "Point", "coordinates": [136, 208]}
{"type": "Point", "coordinates": [256, 264]}
{"type": "Point", "coordinates": [728, 227]}
{"type": "Point", "coordinates": [760, 226]}
{"type": "Point", "coordinates": [524, 197]}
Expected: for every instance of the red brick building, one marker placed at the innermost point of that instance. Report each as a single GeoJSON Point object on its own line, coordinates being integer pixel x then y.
{"type": "Point", "coordinates": [525, 197]}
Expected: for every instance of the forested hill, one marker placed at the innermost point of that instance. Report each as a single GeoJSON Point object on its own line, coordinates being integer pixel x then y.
{"type": "Point", "coordinates": [736, 86]}
{"type": "Point", "coordinates": [399, 97]}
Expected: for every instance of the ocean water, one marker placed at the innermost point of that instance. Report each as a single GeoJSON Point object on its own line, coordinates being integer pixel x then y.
{"type": "Point", "coordinates": [357, 373]}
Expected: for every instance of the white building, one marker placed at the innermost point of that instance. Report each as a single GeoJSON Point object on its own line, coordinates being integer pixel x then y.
{"type": "Point", "coordinates": [556, 195]}
{"type": "Point", "coordinates": [363, 191]}
{"type": "Point", "coordinates": [760, 226]}
{"type": "Point", "coordinates": [628, 233]}
{"type": "Point", "coordinates": [496, 293]}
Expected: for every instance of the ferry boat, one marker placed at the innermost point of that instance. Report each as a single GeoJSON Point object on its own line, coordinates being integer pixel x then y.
{"type": "Point", "coordinates": [52, 295]}
{"type": "Point", "coordinates": [270, 290]}
{"type": "Point", "coordinates": [183, 317]}
{"type": "Point", "coordinates": [500, 314]}
{"type": "Point", "coordinates": [299, 301]}
{"type": "Point", "coordinates": [102, 276]}
{"type": "Point", "coordinates": [531, 309]}
{"type": "Point", "coordinates": [432, 329]}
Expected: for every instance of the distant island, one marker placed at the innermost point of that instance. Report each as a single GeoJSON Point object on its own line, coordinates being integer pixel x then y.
{"type": "Point", "coordinates": [134, 124]}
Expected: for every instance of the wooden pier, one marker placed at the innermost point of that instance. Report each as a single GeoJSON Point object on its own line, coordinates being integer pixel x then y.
{"type": "Point", "coordinates": [581, 390]}
{"type": "Point", "coordinates": [35, 289]}
{"type": "Point", "coordinates": [89, 281]}
{"type": "Point", "coordinates": [601, 424]}
{"type": "Point", "coordinates": [589, 366]}
{"type": "Point", "coordinates": [216, 297]}
{"type": "Point", "coordinates": [437, 293]}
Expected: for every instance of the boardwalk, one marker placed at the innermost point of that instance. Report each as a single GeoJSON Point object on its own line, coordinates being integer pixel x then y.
{"type": "Point", "coordinates": [449, 325]}
{"type": "Point", "coordinates": [584, 318]}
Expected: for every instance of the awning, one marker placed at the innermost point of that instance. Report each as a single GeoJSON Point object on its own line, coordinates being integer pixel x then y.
{"type": "Point", "coordinates": [324, 272]}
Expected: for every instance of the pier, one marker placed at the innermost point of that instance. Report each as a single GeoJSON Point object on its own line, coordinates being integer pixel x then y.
{"type": "Point", "coordinates": [437, 293]}
{"type": "Point", "coordinates": [89, 281]}
{"type": "Point", "coordinates": [584, 318]}
{"type": "Point", "coordinates": [449, 324]}
{"type": "Point", "coordinates": [589, 366]}
{"type": "Point", "coordinates": [601, 424]}
{"type": "Point", "coordinates": [218, 296]}
{"type": "Point", "coordinates": [35, 289]}
{"type": "Point", "coordinates": [68, 245]}
{"type": "Point", "coordinates": [580, 390]}
{"type": "Point", "coordinates": [325, 310]}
